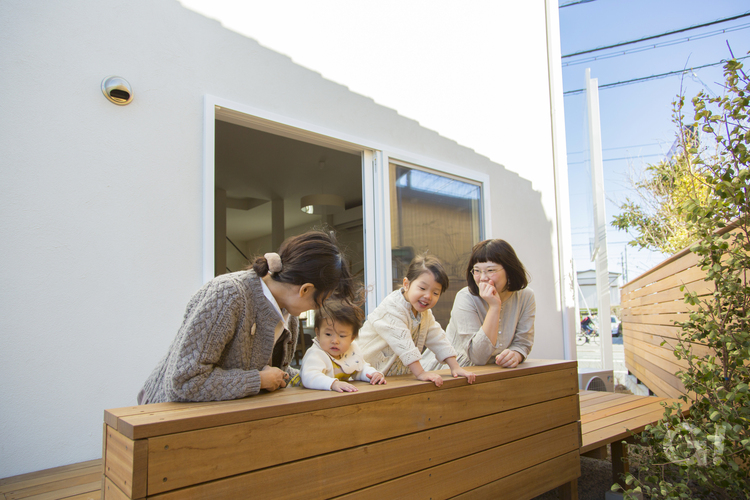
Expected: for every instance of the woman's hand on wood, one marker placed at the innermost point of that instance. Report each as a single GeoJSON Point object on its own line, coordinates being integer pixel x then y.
{"type": "Point", "coordinates": [272, 378]}
{"type": "Point", "coordinates": [508, 359]}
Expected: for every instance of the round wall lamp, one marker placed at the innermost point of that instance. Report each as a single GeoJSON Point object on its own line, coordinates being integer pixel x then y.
{"type": "Point", "coordinates": [117, 90]}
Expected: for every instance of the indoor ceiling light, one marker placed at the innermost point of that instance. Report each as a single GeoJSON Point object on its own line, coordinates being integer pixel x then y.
{"type": "Point", "coordinates": [322, 204]}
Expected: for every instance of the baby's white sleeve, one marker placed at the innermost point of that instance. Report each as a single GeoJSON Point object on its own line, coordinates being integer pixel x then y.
{"type": "Point", "coordinates": [314, 371]}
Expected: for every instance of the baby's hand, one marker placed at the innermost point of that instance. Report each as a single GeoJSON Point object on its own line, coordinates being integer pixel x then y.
{"type": "Point", "coordinates": [340, 386]}
{"type": "Point", "coordinates": [460, 372]}
{"type": "Point", "coordinates": [377, 378]}
{"type": "Point", "coordinates": [431, 377]}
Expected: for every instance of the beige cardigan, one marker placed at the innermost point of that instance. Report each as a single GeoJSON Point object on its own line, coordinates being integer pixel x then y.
{"type": "Point", "coordinates": [392, 338]}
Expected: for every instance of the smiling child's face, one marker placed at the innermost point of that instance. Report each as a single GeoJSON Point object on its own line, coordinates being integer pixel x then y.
{"type": "Point", "coordinates": [335, 337]}
{"type": "Point", "coordinates": [422, 293]}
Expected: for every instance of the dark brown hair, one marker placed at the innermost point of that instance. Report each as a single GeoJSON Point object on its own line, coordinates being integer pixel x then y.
{"type": "Point", "coordinates": [499, 252]}
{"type": "Point", "coordinates": [341, 312]}
{"type": "Point", "coordinates": [313, 257]}
{"type": "Point", "coordinates": [424, 263]}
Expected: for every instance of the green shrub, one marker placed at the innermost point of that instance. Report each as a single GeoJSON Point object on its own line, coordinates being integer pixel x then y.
{"type": "Point", "coordinates": [706, 453]}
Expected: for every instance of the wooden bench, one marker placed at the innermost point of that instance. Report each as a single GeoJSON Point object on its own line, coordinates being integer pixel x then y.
{"type": "Point", "coordinates": [511, 434]}
{"type": "Point", "coordinates": [609, 419]}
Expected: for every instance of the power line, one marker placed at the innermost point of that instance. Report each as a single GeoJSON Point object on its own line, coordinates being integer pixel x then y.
{"type": "Point", "coordinates": [652, 37]}
{"type": "Point", "coordinates": [608, 243]}
{"type": "Point", "coordinates": [657, 45]}
{"type": "Point", "coordinates": [615, 159]}
{"type": "Point", "coordinates": [621, 242]}
{"type": "Point", "coordinates": [652, 77]}
{"type": "Point", "coordinates": [618, 147]}
{"type": "Point", "coordinates": [576, 3]}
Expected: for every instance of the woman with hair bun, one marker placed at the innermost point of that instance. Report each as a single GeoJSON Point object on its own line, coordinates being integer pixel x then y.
{"type": "Point", "coordinates": [240, 330]}
{"type": "Point", "coordinates": [492, 320]}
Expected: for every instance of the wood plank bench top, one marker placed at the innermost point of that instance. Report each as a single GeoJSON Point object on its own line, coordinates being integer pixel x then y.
{"type": "Point", "coordinates": [608, 417]}
{"type": "Point", "coordinates": [145, 421]}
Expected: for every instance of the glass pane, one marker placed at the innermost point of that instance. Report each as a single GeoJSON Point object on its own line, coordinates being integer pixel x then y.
{"type": "Point", "coordinates": [436, 214]}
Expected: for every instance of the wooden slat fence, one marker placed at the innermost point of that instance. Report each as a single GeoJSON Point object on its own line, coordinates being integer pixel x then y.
{"type": "Point", "coordinates": [651, 304]}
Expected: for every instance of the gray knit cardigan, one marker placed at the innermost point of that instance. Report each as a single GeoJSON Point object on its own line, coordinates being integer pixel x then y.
{"type": "Point", "coordinates": [226, 337]}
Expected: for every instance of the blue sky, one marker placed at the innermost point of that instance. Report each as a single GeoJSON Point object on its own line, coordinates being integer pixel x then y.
{"type": "Point", "coordinates": [636, 119]}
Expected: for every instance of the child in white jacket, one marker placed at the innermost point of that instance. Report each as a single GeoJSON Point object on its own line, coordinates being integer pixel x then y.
{"type": "Point", "coordinates": [402, 326]}
{"type": "Point", "coordinates": [334, 356]}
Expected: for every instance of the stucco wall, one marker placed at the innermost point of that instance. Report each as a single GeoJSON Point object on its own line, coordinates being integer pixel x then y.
{"type": "Point", "coordinates": [101, 205]}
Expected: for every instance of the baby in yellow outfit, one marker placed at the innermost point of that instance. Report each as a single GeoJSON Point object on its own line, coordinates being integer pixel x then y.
{"type": "Point", "coordinates": [334, 358]}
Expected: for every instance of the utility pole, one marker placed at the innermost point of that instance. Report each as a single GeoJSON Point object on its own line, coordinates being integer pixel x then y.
{"type": "Point", "coordinates": [600, 219]}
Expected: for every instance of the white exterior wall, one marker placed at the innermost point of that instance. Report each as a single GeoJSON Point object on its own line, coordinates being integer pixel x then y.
{"type": "Point", "coordinates": [101, 205]}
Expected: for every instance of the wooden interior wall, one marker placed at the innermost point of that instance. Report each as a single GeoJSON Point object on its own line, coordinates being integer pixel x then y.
{"type": "Point", "coordinates": [446, 233]}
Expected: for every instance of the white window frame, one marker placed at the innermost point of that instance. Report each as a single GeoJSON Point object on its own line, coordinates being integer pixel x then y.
{"type": "Point", "coordinates": [376, 158]}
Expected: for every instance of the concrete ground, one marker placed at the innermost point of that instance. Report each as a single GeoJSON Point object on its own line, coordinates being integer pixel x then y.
{"type": "Point", "coordinates": [589, 356]}
{"type": "Point", "coordinates": [594, 484]}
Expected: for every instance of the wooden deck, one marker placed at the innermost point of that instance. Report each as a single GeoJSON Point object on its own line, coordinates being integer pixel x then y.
{"type": "Point", "coordinates": [80, 481]}
{"type": "Point", "coordinates": [606, 419]}
{"type": "Point", "coordinates": [609, 419]}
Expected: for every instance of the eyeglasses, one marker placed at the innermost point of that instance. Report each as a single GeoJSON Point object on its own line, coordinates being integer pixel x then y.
{"type": "Point", "coordinates": [487, 272]}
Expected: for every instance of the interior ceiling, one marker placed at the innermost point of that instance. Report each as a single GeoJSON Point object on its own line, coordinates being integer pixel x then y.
{"type": "Point", "coordinates": [250, 163]}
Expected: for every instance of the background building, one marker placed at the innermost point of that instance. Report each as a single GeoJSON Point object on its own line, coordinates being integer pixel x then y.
{"type": "Point", "coordinates": [587, 285]}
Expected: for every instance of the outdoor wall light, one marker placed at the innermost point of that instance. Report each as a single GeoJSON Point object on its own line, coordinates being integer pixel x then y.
{"type": "Point", "coordinates": [117, 90]}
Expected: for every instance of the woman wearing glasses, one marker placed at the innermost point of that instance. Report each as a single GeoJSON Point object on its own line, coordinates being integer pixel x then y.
{"type": "Point", "coordinates": [492, 320]}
